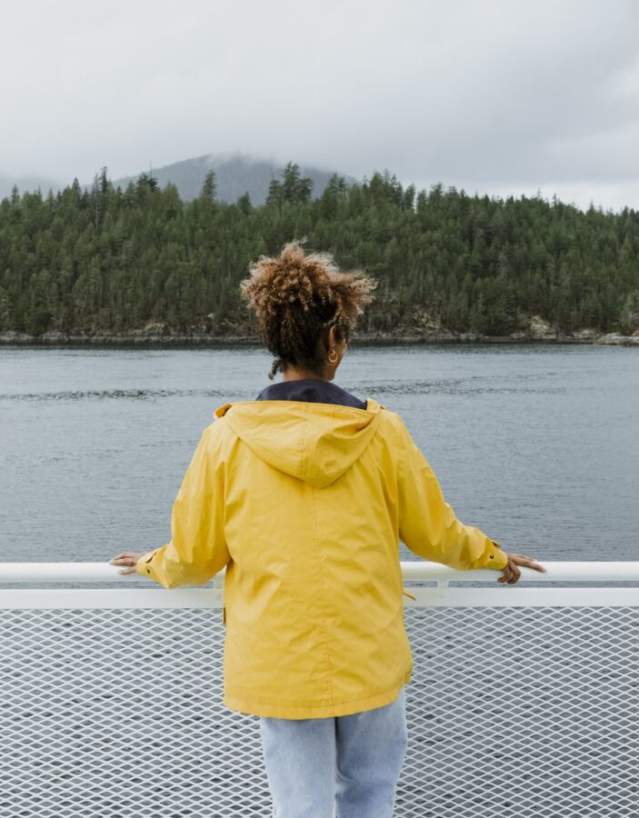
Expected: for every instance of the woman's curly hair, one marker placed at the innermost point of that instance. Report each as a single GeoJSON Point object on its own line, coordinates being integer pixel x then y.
{"type": "Point", "coordinates": [297, 298]}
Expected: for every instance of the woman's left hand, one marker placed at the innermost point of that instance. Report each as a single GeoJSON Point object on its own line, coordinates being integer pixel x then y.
{"type": "Point", "coordinates": [129, 559]}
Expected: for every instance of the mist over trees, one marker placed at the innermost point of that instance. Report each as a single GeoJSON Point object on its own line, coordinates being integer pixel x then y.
{"type": "Point", "coordinates": [235, 175]}
{"type": "Point", "coordinates": [112, 259]}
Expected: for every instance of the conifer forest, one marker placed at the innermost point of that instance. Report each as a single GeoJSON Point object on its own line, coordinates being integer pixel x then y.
{"type": "Point", "coordinates": [107, 260]}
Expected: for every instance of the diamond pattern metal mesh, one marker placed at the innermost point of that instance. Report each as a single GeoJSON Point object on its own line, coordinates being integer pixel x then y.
{"type": "Point", "coordinates": [522, 712]}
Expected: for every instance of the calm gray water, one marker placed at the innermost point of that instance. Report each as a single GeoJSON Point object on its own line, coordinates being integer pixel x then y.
{"type": "Point", "coordinates": [538, 445]}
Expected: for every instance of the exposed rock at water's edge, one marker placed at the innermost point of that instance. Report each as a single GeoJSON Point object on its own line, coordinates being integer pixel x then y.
{"type": "Point", "coordinates": [540, 329]}
{"type": "Point", "coordinates": [613, 339]}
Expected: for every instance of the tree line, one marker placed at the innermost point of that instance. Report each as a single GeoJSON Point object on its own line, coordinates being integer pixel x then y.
{"type": "Point", "coordinates": [109, 260]}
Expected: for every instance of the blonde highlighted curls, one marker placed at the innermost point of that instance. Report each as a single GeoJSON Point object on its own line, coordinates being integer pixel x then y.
{"type": "Point", "coordinates": [296, 299]}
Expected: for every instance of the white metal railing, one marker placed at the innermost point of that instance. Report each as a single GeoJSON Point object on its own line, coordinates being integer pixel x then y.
{"type": "Point", "coordinates": [524, 701]}
{"type": "Point", "coordinates": [420, 570]}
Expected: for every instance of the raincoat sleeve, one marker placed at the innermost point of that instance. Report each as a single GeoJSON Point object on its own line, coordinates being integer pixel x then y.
{"type": "Point", "coordinates": [197, 550]}
{"type": "Point", "coordinates": [427, 523]}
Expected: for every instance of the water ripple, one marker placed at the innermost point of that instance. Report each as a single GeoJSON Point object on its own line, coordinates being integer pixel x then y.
{"type": "Point", "coordinates": [451, 387]}
{"type": "Point", "coordinates": [117, 394]}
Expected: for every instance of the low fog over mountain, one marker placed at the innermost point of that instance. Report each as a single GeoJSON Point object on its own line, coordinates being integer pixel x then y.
{"type": "Point", "coordinates": [26, 183]}
{"type": "Point", "coordinates": [235, 174]}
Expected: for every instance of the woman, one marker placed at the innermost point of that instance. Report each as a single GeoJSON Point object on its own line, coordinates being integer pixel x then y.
{"type": "Point", "coordinates": [303, 495]}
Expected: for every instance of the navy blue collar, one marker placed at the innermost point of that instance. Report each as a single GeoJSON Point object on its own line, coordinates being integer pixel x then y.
{"type": "Point", "coordinates": [314, 390]}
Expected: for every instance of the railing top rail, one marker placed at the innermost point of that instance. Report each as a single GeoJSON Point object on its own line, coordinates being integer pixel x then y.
{"type": "Point", "coordinates": [421, 570]}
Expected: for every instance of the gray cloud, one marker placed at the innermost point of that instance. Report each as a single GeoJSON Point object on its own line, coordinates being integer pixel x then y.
{"type": "Point", "coordinates": [501, 96]}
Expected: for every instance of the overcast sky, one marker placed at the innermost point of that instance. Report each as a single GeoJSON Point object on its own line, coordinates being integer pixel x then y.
{"type": "Point", "coordinates": [496, 96]}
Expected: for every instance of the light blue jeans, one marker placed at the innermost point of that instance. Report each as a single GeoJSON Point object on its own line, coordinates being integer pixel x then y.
{"type": "Point", "coordinates": [351, 763]}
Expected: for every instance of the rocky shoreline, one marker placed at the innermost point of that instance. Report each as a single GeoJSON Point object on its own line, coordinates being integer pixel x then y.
{"type": "Point", "coordinates": [151, 339]}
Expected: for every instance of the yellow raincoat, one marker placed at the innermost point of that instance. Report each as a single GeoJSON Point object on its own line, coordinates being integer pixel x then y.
{"type": "Point", "coordinates": [305, 504]}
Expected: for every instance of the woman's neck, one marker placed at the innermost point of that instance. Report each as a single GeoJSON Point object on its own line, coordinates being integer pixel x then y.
{"type": "Point", "coordinates": [294, 373]}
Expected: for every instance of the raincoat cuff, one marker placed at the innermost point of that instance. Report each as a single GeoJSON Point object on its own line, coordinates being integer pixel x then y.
{"type": "Point", "coordinates": [495, 557]}
{"type": "Point", "coordinates": [142, 565]}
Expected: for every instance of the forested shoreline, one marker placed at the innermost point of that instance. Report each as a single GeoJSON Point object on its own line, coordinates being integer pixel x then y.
{"type": "Point", "coordinates": [140, 265]}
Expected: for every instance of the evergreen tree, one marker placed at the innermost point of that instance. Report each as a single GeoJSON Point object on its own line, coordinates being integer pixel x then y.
{"type": "Point", "coordinates": [295, 188]}
{"type": "Point", "coordinates": [209, 188]}
{"type": "Point", "coordinates": [275, 195]}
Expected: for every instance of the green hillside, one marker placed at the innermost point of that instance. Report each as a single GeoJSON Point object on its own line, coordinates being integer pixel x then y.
{"type": "Point", "coordinates": [112, 260]}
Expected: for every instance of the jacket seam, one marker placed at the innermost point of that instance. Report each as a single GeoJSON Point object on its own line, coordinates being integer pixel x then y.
{"type": "Point", "coordinates": [322, 624]}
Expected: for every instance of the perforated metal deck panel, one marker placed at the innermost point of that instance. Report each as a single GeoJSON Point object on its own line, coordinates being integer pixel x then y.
{"type": "Point", "coordinates": [522, 712]}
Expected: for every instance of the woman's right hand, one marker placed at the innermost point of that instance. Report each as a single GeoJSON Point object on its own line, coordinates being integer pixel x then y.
{"type": "Point", "coordinates": [128, 559]}
{"type": "Point", "coordinates": [511, 573]}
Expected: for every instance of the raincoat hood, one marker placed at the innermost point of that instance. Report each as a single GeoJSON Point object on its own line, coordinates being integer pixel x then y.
{"type": "Point", "coordinates": [314, 442]}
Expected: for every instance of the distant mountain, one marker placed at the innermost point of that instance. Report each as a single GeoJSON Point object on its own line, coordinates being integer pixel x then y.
{"type": "Point", "coordinates": [235, 173]}
{"type": "Point", "coordinates": [26, 183]}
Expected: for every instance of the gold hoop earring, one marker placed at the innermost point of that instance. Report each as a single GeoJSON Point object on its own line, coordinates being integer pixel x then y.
{"type": "Point", "coordinates": [334, 359]}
